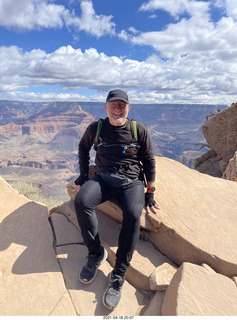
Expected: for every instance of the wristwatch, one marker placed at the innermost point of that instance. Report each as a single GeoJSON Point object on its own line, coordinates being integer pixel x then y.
{"type": "Point", "coordinates": [151, 189]}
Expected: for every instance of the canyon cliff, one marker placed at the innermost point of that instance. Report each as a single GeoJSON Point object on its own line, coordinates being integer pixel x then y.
{"type": "Point", "coordinates": [39, 141]}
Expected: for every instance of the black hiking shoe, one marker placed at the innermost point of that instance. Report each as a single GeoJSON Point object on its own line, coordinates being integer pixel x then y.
{"type": "Point", "coordinates": [89, 271]}
{"type": "Point", "coordinates": [112, 294]}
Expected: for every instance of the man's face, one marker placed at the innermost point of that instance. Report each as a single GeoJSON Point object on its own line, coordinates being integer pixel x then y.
{"type": "Point", "coordinates": [117, 111]}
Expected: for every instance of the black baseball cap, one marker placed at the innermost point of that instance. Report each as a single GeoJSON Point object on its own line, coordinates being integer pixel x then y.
{"type": "Point", "coordinates": [117, 95]}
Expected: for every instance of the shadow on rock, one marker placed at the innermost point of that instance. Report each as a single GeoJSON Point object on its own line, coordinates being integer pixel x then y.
{"type": "Point", "coordinates": [28, 226]}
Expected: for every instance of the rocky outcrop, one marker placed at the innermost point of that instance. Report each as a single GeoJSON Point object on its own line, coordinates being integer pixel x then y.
{"type": "Point", "coordinates": [220, 132]}
{"type": "Point", "coordinates": [31, 282]}
{"type": "Point", "coordinates": [199, 291]}
{"type": "Point", "coordinates": [193, 207]}
{"type": "Point", "coordinates": [208, 163]}
{"type": "Point", "coordinates": [177, 267]}
{"type": "Point", "coordinates": [41, 259]}
{"type": "Point", "coordinates": [188, 157]}
{"type": "Point", "coordinates": [231, 169]}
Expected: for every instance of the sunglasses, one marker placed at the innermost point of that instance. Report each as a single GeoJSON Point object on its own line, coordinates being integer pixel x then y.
{"type": "Point", "coordinates": [114, 105]}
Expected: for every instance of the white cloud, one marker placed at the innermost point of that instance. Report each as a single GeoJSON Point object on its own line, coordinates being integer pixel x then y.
{"type": "Point", "coordinates": [30, 14]}
{"type": "Point", "coordinates": [37, 14]}
{"type": "Point", "coordinates": [195, 60]}
{"type": "Point", "coordinates": [228, 6]}
{"type": "Point", "coordinates": [133, 30]}
{"type": "Point", "coordinates": [124, 35]}
{"type": "Point", "coordinates": [231, 8]}
{"type": "Point", "coordinates": [90, 22]}
{"type": "Point", "coordinates": [193, 78]}
{"type": "Point", "coordinates": [196, 34]}
{"type": "Point", "coordinates": [177, 7]}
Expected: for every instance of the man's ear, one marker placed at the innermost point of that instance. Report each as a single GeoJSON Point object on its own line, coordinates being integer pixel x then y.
{"type": "Point", "coordinates": [106, 107]}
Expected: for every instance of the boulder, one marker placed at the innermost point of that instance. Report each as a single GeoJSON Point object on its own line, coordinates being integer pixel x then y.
{"type": "Point", "coordinates": [231, 170]}
{"type": "Point", "coordinates": [208, 163]}
{"type": "Point", "coordinates": [199, 291]}
{"type": "Point", "coordinates": [155, 305]}
{"type": "Point", "coordinates": [161, 277]}
{"type": "Point", "coordinates": [235, 280]}
{"type": "Point", "coordinates": [193, 207]}
{"type": "Point", "coordinates": [31, 282]}
{"type": "Point", "coordinates": [220, 132]}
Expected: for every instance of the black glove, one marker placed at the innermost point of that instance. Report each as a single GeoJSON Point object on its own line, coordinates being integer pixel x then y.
{"type": "Point", "coordinates": [81, 179]}
{"type": "Point", "coordinates": [149, 199]}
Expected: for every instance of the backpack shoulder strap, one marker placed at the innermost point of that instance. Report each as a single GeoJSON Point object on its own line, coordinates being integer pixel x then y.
{"type": "Point", "coordinates": [99, 126]}
{"type": "Point", "coordinates": [134, 130]}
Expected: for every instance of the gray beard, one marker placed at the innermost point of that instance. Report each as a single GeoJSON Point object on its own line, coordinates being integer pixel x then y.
{"type": "Point", "coordinates": [120, 121]}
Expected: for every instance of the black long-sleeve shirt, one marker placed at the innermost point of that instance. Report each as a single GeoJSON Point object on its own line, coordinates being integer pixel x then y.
{"type": "Point", "coordinates": [115, 154]}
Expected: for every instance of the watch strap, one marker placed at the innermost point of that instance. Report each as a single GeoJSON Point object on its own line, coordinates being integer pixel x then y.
{"type": "Point", "coordinates": [151, 189]}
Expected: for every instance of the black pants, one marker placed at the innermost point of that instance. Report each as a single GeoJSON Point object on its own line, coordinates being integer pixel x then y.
{"type": "Point", "coordinates": [131, 200]}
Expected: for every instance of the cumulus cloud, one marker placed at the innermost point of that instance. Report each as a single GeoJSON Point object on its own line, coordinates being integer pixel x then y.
{"type": "Point", "coordinates": [194, 61]}
{"type": "Point", "coordinates": [228, 7]}
{"type": "Point", "coordinates": [188, 36]}
{"type": "Point", "coordinates": [198, 53]}
{"type": "Point", "coordinates": [37, 14]}
{"type": "Point", "coordinates": [191, 35]}
{"type": "Point", "coordinates": [177, 7]}
{"type": "Point", "coordinates": [183, 78]}
{"type": "Point", "coordinates": [30, 14]}
{"type": "Point", "coordinates": [90, 22]}
{"type": "Point", "coordinates": [68, 67]}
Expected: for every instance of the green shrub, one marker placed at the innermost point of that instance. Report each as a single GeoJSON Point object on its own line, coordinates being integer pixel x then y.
{"type": "Point", "coordinates": [33, 193]}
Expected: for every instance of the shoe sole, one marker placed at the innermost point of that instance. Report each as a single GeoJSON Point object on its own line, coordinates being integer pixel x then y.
{"type": "Point", "coordinates": [103, 260]}
{"type": "Point", "coordinates": [103, 299]}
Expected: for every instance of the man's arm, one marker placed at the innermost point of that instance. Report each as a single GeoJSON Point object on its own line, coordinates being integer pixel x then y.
{"type": "Point", "coordinates": [84, 148]}
{"type": "Point", "coordinates": [149, 168]}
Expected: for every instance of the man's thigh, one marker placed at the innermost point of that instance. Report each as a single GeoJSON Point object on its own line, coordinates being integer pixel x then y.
{"type": "Point", "coordinates": [92, 192]}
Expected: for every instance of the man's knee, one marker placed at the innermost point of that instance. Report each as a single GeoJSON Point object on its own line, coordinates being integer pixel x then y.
{"type": "Point", "coordinates": [82, 199]}
{"type": "Point", "coordinates": [78, 199]}
{"type": "Point", "coordinates": [84, 210]}
{"type": "Point", "coordinates": [89, 196]}
{"type": "Point", "coordinates": [132, 215]}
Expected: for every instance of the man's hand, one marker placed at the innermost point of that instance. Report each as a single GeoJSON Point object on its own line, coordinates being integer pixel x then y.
{"type": "Point", "coordinates": [153, 208]}
{"type": "Point", "coordinates": [77, 188]}
{"type": "Point", "coordinates": [150, 203]}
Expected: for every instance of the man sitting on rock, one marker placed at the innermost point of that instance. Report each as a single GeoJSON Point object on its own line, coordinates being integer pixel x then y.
{"type": "Point", "coordinates": [124, 163]}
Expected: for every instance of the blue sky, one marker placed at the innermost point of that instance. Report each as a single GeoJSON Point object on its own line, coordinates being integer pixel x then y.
{"type": "Point", "coordinates": [159, 51]}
